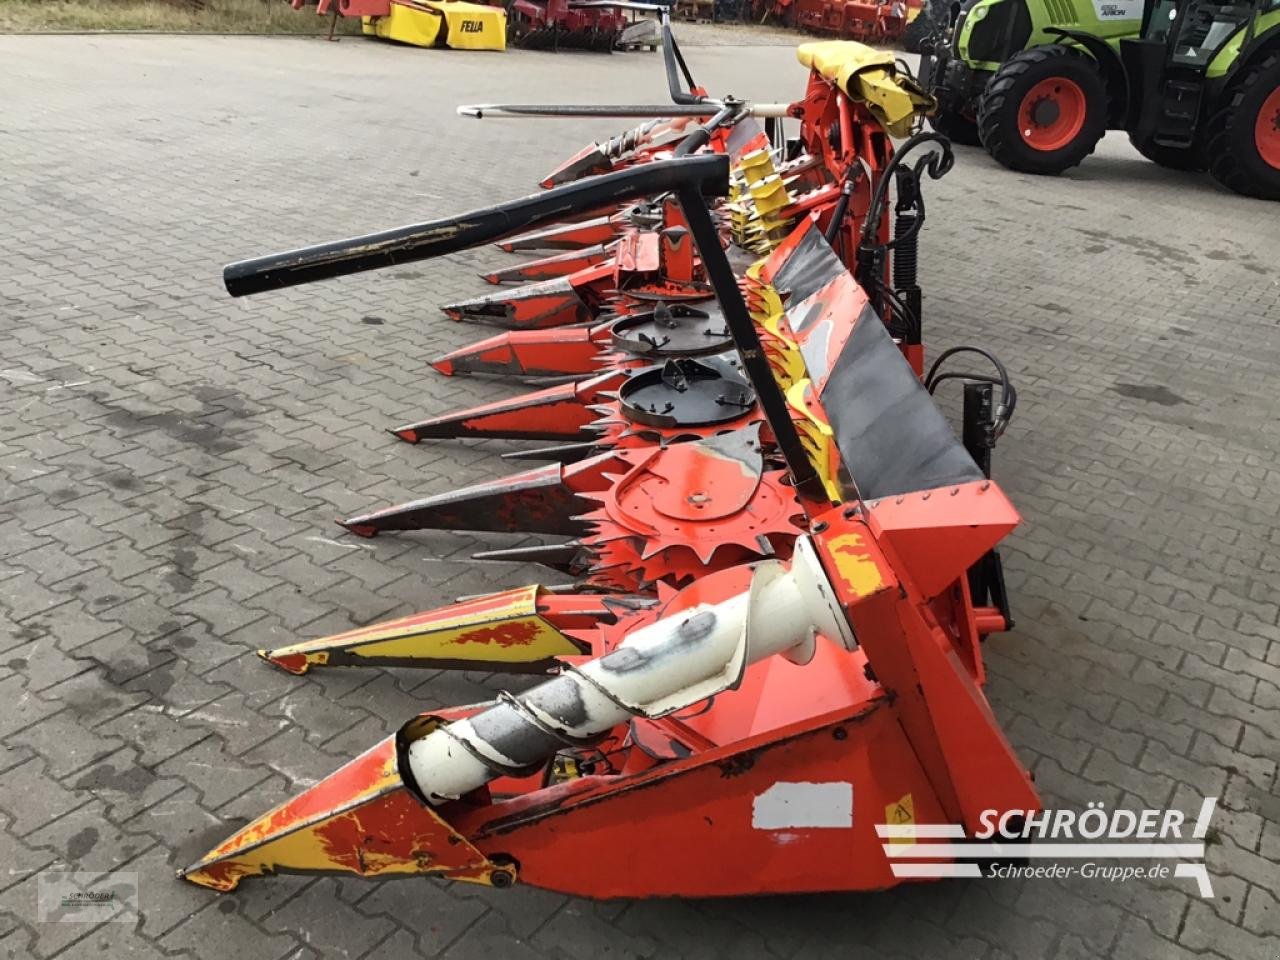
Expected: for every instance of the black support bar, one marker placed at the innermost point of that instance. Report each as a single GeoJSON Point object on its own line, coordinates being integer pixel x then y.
{"type": "Point", "coordinates": [745, 336]}
{"type": "Point", "coordinates": [699, 176]}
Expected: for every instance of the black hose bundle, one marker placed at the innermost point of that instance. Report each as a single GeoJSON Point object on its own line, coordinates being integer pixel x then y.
{"type": "Point", "coordinates": [1008, 395]}
{"type": "Point", "coordinates": [904, 298]}
{"type": "Point", "coordinates": [937, 163]}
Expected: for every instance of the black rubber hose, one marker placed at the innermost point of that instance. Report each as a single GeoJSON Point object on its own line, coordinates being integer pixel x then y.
{"type": "Point", "coordinates": [1008, 395]}
{"type": "Point", "coordinates": [700, 137]}
{"type": "Point", "coordinates": [846, 192]}
{"type": "Point", "coordinates": [951, 352]}
{"type": "Point", "coordinates": [909, 327]}
{"type": "Point", "coordinates": [937, 165]}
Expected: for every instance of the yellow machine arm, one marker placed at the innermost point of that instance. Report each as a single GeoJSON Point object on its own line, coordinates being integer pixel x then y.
{"type": "Point", "coordinates": [871, 76]}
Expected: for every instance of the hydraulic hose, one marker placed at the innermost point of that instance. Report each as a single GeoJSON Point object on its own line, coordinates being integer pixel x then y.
{"type": "Point", "coordinates": [1008, 395]}
{"type": "Point", "coordinates": [910, 214]}
{"type": "Point", "coordinates": [937, 164]}
{"type": "Point", "coordinates": [856, 169]}
{"type": "Point", "coordinates": [700, 137]}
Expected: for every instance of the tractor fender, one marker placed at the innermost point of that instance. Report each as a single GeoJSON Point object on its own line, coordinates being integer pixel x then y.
{"type": "Point", "coordinates": [1231, 59]}
{"type": "Point", "coordinates": [1113, 74]}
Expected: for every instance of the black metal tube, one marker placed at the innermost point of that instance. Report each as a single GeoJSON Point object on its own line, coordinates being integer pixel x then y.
{"type": "Point", "coordinates": [673, 61]}
{"type": "Point", "coordinates": [657, 111]}
{"type": "Point", "coordinates": [747, 340]}
{"type": "Point", "coordinates": [708, 174]}
{"type": "Point", "coordinates": [908, 217]}
{"type": "Point", "coordinates": [842, 205]}
{"type": "Point", "coordinates": [702, 136]}
{"type": "Point", "coordinates": [977, 434]}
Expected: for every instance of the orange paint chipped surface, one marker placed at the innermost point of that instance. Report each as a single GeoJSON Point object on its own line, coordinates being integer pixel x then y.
{"type": "Point", "coordinates": [361, 820]}
{"type": "Point", "coordinates": [502, 621]}
{"type": "Point", "coordinates": [522, 601]}
{"type": "Point", "coordinates": [856, 563]}
{"type": "Point", "coordinates": [293, 662]}
{"type": "Point", "coordinates": [223, 876]}
{"type": "Point", "coordinates": [394, 835]}
{"type": "Point", "coordinates": [362, 778]}
{"type": "Point", "coordinates": [514, 633]}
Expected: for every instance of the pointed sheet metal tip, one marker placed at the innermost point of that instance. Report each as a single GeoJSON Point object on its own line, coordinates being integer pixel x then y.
{"type": "Point", "coordinates": [295, 663]}
{"type": "Point", "coordinates": [358, 527]}
{"type": "Point", "coordinates": [504, 631]}
{"type": "Point", "coordinates": [562, 453]}
{"type": "Point", "coordinates": [361, 819]}
{"type": "Point", "coordinates": [558, 556]}
{"type": "Point", "coordinates": [532, 501]}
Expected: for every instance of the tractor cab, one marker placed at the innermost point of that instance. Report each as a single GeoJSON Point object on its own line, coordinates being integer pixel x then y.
{"type": "Point", "coordinates": [1168, 67]}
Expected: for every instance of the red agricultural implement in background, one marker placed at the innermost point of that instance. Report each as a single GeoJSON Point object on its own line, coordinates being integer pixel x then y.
{"type": "Point", "coordinates": [767, 677]}
{"type": "Point", "coordinates": [867, 21]}
{"type": "Point", "coordinates": [600, 25]}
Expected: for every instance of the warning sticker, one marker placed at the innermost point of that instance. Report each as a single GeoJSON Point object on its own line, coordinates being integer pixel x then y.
{"type": "Point", "coordinates": [901, 813]}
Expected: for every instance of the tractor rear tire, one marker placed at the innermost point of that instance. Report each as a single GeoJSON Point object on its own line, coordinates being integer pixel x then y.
{"type": "Point", "coordinates": [1044, 111]}
{"type": "Point", "coordinates": [1172, 158]}
{"type": "Point", "coordinates": [956, 128]}
{"type": "Point", "coordinates": [1243, 143]}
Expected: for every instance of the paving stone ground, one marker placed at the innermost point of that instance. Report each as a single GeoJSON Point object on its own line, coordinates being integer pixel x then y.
{"type": "Point", "coordinates": [171, 462]}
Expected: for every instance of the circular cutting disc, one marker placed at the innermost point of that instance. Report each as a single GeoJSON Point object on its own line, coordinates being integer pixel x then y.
{"type": "Point", "coordinates": [675, 330]}
{"type": "Point", "coordinates": [686, 292]}
{"type": "Point", "coordinates": [686, 393]}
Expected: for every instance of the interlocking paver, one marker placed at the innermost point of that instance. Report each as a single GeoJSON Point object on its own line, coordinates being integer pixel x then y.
{"type": "Point", "coordinates": [208, 932]}
{"type": "Point", "coordinates": [171, 462]}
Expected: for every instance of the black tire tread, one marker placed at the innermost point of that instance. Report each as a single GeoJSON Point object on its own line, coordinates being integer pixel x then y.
{"type": "Point", "coordinates": [918, 33]}
{"type": "Point", "coordinates": [956, 128]}
{"type": "Point", "coordinates": [925, 30]}
{"type": "Point", "coordinates": [993, 101]}
{"type": "Point", "coordinates": [1173, 158]}
{"type": "Point", "coordinates": [1221, 130]}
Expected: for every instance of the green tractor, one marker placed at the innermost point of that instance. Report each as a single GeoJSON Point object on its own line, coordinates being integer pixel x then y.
{"type": "Point", "coordinates": [1195, 84]}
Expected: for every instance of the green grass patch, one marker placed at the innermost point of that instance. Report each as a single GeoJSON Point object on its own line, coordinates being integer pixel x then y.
{"type": "Point", "coordinates": [167, 16]}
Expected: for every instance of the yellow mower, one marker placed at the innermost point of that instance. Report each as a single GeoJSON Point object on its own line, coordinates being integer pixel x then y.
{"type": "Point", "coordinates": [424, 23]}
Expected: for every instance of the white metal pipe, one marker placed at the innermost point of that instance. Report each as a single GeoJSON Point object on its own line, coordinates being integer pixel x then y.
{"type": "Point", "coordinates": [661, 111]}
{"type": "Point", "coordinates": [669, 665]}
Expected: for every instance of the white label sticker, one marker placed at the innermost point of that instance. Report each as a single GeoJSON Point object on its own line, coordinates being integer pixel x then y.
{"type": "Point", "coordinates": [1118, 9]}
{"type": "Point", "coordinates": [793, 806]}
